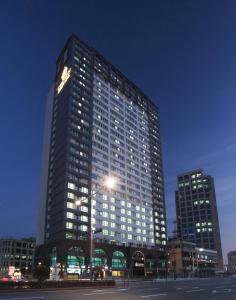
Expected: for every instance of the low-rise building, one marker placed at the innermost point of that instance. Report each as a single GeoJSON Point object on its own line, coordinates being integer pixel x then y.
{"type": "Point", "coordinates": [185, 259]}
{"type": "Point", "coordinates": [16, 255]}
{"type": "Point", "coordinates": [232, 262]}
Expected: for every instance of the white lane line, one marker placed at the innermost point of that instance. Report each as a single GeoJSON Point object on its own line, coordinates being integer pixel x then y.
{"type": "Point", "coordinates": [156, 295]}
{"type": "Point", "coordinates": [142, 287]}
{"type": "Point", "coordinates": [122, 290]}
{"type": "Point", "coordinates": [192, 291]}
{"type": "Point", "coordinates": [220, 292]}
{"type": "Point", "coordinates": [101, 293]}
{"type": "Point", "coordinates": [22, 298]}
{"type": "Point", "coordinates": [152, 289]}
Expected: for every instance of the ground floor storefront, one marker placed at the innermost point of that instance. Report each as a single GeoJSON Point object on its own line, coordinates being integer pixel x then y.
{"type": "Point", "coordinates": [70, 259]}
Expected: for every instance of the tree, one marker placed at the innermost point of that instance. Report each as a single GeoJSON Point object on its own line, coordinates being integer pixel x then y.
{"type": "Point", "coordinates": [41, 272]}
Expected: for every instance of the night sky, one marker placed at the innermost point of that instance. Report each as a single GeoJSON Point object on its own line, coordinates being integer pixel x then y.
{"type": "Point", "coordinates": [181, 53]}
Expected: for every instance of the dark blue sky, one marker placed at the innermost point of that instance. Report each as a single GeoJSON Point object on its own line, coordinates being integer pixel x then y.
{"type": "Point", "coordinates": [181, 53]}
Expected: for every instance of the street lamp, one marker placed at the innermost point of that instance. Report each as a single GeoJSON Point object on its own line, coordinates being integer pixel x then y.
{"type": "Point", "coordinates": [200, 250]}
{"type": "Point", "coordinates": [109, 183]}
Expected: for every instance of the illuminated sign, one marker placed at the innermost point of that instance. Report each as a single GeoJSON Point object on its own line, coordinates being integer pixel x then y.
{"type": "Point", "coordinates": [73, 269]}
{"type": "Point", "coordinates": [139, 264]}
{"type": "Point", "coordinates": [65, 75]}
{"type": "Point", "coordinates": [11, 271]}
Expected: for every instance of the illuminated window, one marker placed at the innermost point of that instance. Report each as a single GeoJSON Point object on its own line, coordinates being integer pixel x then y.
{"type": "Point", "coordinates": [104, 223]}
{"type": "Point", "coordinates": [105, 205]}
{"type": "Point", "coordinates": [70, 205]}
{"type": "Point", "coordinates": [84, 190]}
{"type": "Point", "coordinates": [71, 186]}
{"type": "Point", "coordinates": [112, 216]}
{"type": "Point", "coordinates": [123, 219]}
{"type": "Point", "coordinates": [123, 227]}
{"type": "Point", "coordinates": [70, 215]}
{"type": "Point", "coordinates": [129, 236]}
{"type": "Point", "coordinates": [69, 225]}
{"type": "Point", "coordinates": [84, 218]}
{"type": "Point", "coordinates": [71, 195]}
{"type": "Point", "coordinates": [84, 228]}
{"type": "Point", "coordinates": [113, 225]}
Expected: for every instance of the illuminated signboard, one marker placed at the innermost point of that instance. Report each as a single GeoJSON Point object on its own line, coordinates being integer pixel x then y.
{"type": "Point", "coordinates": [65, 75]}
{"type": "Point", "coordinates": [139, 264]}
{"type": "Point", "coordinates": [11, 271]}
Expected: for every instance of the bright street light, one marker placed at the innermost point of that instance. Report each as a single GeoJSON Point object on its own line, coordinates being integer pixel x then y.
{"type": "Point", "coordinates": [78, 202]}
{"type": "Point", "coordinates": [110, 182]}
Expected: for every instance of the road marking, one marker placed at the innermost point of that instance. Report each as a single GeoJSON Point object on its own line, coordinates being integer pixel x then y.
{"type": "Point", "coordinates": [121, 290]}
{"type": "Point", "coordinates": [156, 295]}
{"type": "Point", "coordinates": [179, 288]}
{"type": "Point", "coordinates": [192, 291]}
{"type": "Point", "coordinates": [101, 293]}
{"type": "Point", "coordinates": [22, 298]}
{"type": "Point", "coordinates": [220, 292]}
{"type": "Point", "coordinates": [151, 289]}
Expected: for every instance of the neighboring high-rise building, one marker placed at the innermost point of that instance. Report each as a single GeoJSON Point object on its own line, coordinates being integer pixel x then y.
{"type": "Point", "coordinates": [100, 124]}
{"type": "Point", "coordinates": [196, 211]}
{"type": "Point", "coordinates": [16, 254]}
{"type": "Point", "coordinates": [232, 262]}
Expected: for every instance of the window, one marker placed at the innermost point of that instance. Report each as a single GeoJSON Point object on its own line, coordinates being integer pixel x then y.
{"type": "Point", "coordinates": [72, 186]}
{"type": "Point", "coordinates": [113, 225]}
{"type": "Point", "coordinates": [104, 223]}
{"type": "Point", "coordinates": [70, 215]}
{"type": "Point", "coordinates": [84, 218]}
{"type": "Point", "coordinates": [112, 216]}
{"type": "Point", "coordinates": [70, 205]}
{"type": "Point", "coordinates": [105, 206]}
{"type": "Point", "coordinates": [123, 227]}
{"type": "Point", "coordinates": [71, 196]}
{"type": "Point", "coordinates": [84, 190]}
{"type": "Point", "coordinates": [129, 236]}
{"type": "Point", "coordinates": [84, 228]}
{"type": "Point", "coordinates": [84, 208]}
{"type": "Point", "coordinates": [69, 225]}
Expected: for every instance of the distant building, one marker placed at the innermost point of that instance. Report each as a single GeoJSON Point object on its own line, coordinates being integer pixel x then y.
{"type": "Point", "coordinates": [232, 262]}
{"type": "Point", "coordinates": [185, 259]}
{"type": "Point", "coordinates": [16, 253]}
{"type": "Point", "coordinates": [196, 211]}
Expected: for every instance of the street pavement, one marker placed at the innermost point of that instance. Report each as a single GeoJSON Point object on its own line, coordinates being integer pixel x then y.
{"type": "Point", "coordinates": [205, 289]}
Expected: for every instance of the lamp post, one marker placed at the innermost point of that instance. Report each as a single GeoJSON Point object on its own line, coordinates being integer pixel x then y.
{"type": "Point", "coordinates": [109, 183]}
{"type": "Point", "coordinates": [200, 250]}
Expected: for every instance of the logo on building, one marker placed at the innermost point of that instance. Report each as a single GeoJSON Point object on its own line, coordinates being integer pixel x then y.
{"type": "Point", "coordinates": [65, 75]}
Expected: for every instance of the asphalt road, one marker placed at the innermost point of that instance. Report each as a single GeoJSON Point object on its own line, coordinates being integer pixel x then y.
{"type": "Point", "coordinates": [208, 289]}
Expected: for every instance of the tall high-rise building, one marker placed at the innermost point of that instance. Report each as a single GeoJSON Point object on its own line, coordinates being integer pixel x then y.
{"type": "Point", "coordinates": [100, 124]}
{"type": "Point", "coordinates": [196, 211]}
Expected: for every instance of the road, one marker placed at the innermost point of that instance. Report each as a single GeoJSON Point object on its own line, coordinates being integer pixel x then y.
{"type": "Point", "coordinates": [208, 289]}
